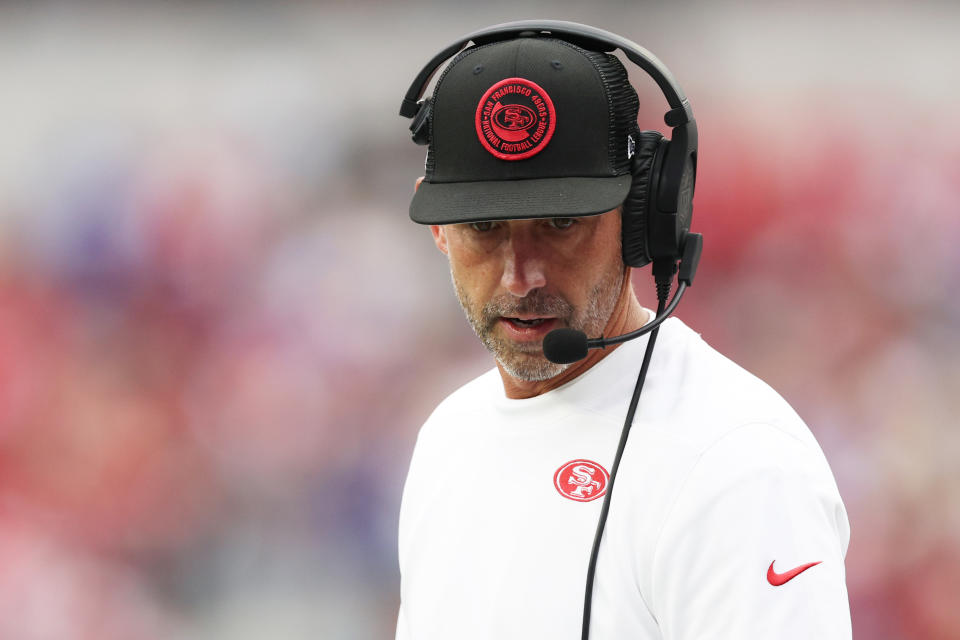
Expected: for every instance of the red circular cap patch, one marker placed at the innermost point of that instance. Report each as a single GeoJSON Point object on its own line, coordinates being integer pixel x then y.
{"type": "Point", "coordinates": [581, 480]}
{"type": "Point", "coordinates": [515, 119]}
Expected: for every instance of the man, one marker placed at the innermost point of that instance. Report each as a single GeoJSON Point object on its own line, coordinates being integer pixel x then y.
{"type": "Point", "coordinates": [726, 522]}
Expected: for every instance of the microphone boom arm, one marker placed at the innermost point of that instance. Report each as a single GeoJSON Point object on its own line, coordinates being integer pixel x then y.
{"type": "Point", "coordinates": [603, 343]}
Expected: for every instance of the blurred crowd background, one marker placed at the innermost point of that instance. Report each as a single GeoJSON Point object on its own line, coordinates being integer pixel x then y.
{"type": "Point", "coordinates": [219, 332]}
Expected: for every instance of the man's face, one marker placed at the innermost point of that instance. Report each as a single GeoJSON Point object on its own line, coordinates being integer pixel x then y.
{"type": "Point", "coordinates": [517, 280]}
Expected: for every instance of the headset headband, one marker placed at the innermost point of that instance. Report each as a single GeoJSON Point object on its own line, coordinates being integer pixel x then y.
{"type": "Point", "coordinates": [680, 113]}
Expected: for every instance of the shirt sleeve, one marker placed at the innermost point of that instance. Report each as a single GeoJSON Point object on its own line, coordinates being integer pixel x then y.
{"type": "Point", "coordinates": [758, 507]}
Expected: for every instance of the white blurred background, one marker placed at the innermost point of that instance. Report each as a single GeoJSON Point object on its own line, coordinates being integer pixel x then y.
{"type": "Point", "coordinates": [219, 331]}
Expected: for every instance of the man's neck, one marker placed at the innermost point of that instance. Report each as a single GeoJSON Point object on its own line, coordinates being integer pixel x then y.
{"type": "Point", "coordinates": [627, 316]}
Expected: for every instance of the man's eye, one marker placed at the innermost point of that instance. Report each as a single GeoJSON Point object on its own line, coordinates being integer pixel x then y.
{"type": "Point", "coordinates": [486, 225]}
{"type": "Point", "coordinates": [562, 223]}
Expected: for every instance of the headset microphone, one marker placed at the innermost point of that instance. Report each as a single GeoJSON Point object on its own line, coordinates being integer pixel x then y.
{"type": "Point", "coordinates": [566, 345]}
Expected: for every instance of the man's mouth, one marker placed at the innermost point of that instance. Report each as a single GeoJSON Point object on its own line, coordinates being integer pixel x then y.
{"type": "Point", "coordinates": [529, 328]}
{"type": "Point", "coordinates": [531, 322]}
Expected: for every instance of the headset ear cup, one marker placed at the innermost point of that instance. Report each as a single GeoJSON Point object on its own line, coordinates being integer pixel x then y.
{"type": "Point", "coordinates": [685, 203]}
{"type": "Point", "coordinates": [635, 212]}
{"type": "Point", "coordinates": [667, 230]}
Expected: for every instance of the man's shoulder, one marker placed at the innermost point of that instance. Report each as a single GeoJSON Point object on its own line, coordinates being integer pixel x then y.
{"type": "Point", "coordinates": [707, 394]}
{"type": "Point", "coordinates": [710, 425]}
{"type": "Point", "coordinates": [468, 399]}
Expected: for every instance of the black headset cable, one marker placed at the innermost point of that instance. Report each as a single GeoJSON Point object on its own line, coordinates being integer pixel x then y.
{"type": "Point", "coordinates": [662, 295]}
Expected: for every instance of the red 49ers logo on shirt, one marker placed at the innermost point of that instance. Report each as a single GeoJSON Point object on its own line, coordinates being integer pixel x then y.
{"type": "Point", "coordinates": [581, 480]}
{"type": "Point", "coordinates": [515, 119]}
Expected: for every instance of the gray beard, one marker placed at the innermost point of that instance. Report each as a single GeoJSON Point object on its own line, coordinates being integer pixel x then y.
{"type": "Point", "coordinates": [525, 361]}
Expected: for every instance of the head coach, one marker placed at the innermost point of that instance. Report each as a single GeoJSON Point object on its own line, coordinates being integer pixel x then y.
{"type": "Point", "coordinates": [544, 195]}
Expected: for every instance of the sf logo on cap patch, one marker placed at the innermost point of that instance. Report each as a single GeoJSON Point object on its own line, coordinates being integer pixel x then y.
{"type": "Point", "coordinates": [515, 119]}
{"type": "Point", "coordinates": [581, 480]}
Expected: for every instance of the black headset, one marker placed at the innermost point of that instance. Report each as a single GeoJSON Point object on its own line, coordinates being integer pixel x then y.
{"type": "Point", "coordinates": [657, 211]}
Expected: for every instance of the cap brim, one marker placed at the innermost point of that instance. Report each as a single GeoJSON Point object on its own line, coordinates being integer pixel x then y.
{"type": "Point", "coordinates": [457, 202]}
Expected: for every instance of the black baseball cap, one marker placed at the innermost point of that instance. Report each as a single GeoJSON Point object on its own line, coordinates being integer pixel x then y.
{"type": "Point", "coordinates": [530, 127]}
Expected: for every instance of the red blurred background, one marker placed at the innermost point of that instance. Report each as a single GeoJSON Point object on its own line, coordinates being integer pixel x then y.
{"type": "Point", "coordinates": [219, 332]}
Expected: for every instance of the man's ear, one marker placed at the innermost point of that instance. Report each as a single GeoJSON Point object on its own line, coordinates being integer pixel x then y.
{"type": "Point", "coordinates": [439, 237]}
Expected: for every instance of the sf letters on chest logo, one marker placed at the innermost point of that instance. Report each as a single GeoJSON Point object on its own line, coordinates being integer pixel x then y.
{"type": "Point", "coordinates": [581, 480]}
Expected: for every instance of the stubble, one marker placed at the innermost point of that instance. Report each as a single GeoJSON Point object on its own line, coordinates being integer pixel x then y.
{"type": "Point", "coordinates": [525, 360]}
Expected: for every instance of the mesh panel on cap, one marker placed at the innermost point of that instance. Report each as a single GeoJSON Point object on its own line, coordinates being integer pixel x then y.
{"type": "Point", "coordinates": [624, 105]}
{"type": "Point", "coordinates": [430, 163]}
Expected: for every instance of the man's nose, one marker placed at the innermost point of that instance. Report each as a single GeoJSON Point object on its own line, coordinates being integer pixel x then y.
{"type": "Point", "coordinates": [523, 268]}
